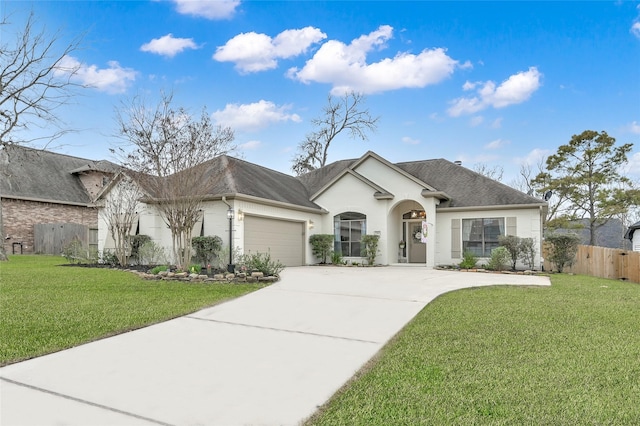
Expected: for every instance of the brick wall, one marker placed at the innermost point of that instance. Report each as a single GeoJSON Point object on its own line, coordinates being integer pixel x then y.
{"type": "Point", "coordinates": [19, 216]}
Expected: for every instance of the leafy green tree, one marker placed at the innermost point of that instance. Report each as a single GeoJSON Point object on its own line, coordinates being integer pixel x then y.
{"type": "Point", "coordinates": [512, 244]}
{"type": "Point", "coordinates": [321, 244]}
{"type": "Point", "coordinates": [586, 172]}
{"type": "Point", "coordinates": [370, 248]}
{"type": "Point", "coordinates": [562, 249]}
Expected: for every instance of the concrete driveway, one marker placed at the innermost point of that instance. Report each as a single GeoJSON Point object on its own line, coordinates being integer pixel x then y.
{"type": "Point", "coordinates": [268, 358]}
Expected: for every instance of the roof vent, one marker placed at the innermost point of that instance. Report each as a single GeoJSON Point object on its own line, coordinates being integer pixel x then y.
{"type": "Point", "coordinates": [458, 162]}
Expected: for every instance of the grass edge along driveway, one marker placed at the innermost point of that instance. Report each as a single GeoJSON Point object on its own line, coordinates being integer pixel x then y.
{"type": "Point", "coordinates": [506, 355]}
{"type": "Point", "coordinates": [45, 307]}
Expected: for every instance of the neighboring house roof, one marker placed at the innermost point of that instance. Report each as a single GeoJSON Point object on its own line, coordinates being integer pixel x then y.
{"type": "Point", "coordinates": [609, 234]}
{"type": "Point", "coordinates": [629, 234]}
{"type": "Point", "coordinates": [462, 187]}
{"type": "Point", "coordinates": [33, 174]}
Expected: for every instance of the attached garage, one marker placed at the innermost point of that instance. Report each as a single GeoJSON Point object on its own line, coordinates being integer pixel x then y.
{"type": "Point", "coordinates": [283, 238]}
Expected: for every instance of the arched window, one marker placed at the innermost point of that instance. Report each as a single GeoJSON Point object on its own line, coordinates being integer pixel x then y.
{"type": "Point", "coordinates": [349, 227]}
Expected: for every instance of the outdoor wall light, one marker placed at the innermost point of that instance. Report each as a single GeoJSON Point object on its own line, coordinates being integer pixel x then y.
{"type": "Point", "coordinates": [240, 215]}
{"type": "Point", "coordinates": [311, 224]}
{"type": "Point", "coordinates": [230, 214]}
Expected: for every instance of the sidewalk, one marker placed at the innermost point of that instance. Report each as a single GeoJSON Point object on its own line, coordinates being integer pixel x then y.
{"type": "Point", "coordinates": [268, 358]}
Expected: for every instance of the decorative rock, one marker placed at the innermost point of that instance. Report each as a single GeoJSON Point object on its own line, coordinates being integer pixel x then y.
{"type": "Point", "coordinates": [181, 275]}
{"type": "Point", "coordinates": [257, 274]}
{"type": "Point", "coordinates": [218, 277]}
{"type": "Point", "coordinates": [230, 276]}
{"type": "Point", "coordinates": [268, 279]}
{"type": "Point", "coordinates": [193, 276]}
{"type": "Point", "coordinates": [163, 273]}
{"type": "Point", "coordinates": [170, 274]}
{"type": "Point", "coordinates": [203, 277]}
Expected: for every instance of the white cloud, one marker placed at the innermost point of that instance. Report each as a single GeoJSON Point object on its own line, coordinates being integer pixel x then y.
{"type": "Point", "coordinates": [255, 116]}
{"type": "Point", "coordinates": [210, 9]}
{"type": "Point", "coordinates": [634, 127]}
{"type": "Point", "coordinates": [345, 66]}
{"type": "Point", "coordinates": [496, 144]}
{"type": "Point", "coordinates": [633, 166]}
{"type": "Point", "coordinates": [114, 79]}
{"type": "Point", "coordinates": [635, 29]}
{"type": "Point", "coordinates": [168, 45]}
{"type": "Point", "coordinates": [253, 52]}
{"type": "Point", "coordinates": [516, 89]}
{"type": "Point", "coordinates": [476, 121]}
{"type": "Point", "coordinates": [497, 123]}
{"type": "Point", "coordinates": [534, 157]}
{"type": "Point", "coordinates": [410, 141]}
{"type": "Point", "coordinates": [250, 146]}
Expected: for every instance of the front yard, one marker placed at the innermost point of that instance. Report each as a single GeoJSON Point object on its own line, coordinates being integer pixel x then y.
{"type": "Point", "coordinates": [564, 355]}
{"type": "Point", "coordinates": [45, 307]}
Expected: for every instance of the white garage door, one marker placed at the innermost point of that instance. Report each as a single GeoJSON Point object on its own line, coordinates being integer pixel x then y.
{"type": "Point", "coordinates": [284, 239]}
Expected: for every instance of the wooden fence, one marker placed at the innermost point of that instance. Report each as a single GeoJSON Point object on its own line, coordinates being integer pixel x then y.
{"type": "Point", "coordinates": [51, 238]}
{"type": "Point", "coordinates": [604, 263]}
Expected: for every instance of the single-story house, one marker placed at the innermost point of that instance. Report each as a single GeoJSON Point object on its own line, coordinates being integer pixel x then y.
{"type": "Point", "coordinates": [634, 236]}
{"type": "Point", "coordinates": [39, 188]}
{"type": "Point", "coordinates": [426, 212]}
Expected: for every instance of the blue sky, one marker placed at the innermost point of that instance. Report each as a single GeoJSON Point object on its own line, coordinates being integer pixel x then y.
{"type": "Point", "coordinates": [497, 83]}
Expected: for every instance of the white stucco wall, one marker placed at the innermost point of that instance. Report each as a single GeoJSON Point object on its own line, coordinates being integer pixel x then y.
{"type": "Point", "coordinates": [528, 225]}
{"type": "Point", "coordinates": [384, 217]}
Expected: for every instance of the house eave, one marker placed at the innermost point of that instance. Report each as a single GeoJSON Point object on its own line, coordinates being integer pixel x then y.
{"type": "Point", "coordinates": [441, 195]}
{"type": "Point", "coordinates": [45, 200]}
{"type": "Point", "coordinates": [254, 199]}
{"type": "Point", "coordinates": [494, 207]}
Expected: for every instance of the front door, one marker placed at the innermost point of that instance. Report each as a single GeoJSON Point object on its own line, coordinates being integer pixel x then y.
{"type": "Point", "coordinates": [416, 249]}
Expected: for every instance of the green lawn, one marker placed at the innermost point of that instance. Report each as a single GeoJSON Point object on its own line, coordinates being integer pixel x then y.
{"type": "Point", "coordinates": [564, 355]}
{"type": "Point", "coordinates": [45, 307]}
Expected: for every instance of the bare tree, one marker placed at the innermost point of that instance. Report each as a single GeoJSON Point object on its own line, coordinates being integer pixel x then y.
{"type": "Point", "coordinates": [120, 213]}
{"type": "Point", "coordinates": [33, 85]}
{"type": "Point", "coordinates": [339, 115]}
{"type": "Point", "coordinates": [171, 149]}
{"type": "Point", "coordinates": [494, 172]}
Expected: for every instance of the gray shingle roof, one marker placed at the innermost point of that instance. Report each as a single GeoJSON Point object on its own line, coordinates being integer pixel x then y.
{"type": "Point", "coordinates": [242, 177]}
{"type": "Point", "coordinates": [43, 175]}
{"type": "Point", "coordinates": [465, 187]}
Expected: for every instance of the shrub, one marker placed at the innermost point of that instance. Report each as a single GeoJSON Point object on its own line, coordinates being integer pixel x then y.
{"type": "Point", "coordinates": [562, 249]}
{"type": "Point", "coordinates": [151, 253]}
{"type": "Point", "coordinates": [469, 260]}
{"type": "Point", "coordinates": [260, 262]}
{"type": "Point", "coordinates": [513, 246]}
{"type": "Point", "coordinates": [370, 248]}
{"type": "Point", "coordinates": [528, 252]}
{"type": "Point", "coordinates": [77, 252]}
{"type": "Point", "coordinates": [135, 242]}
{"type": "Point", "coordinates": [207, 249]}
{"type": "Point", "coordinates": [499, 260]}
{"type": "Point", "coordinates": [108, 257]}
{"type": "Point", "coordinates": [336, 258]}
{"type": "Point", "coordinates": [321, 244]}
{"type": "Point", "coordinates": [159, 268]}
